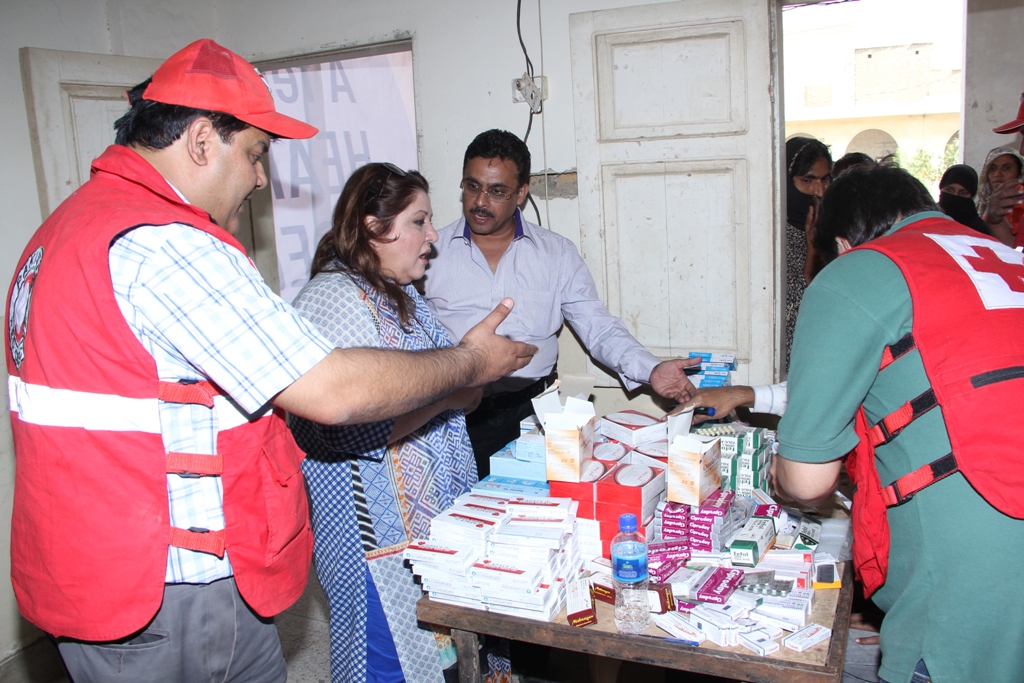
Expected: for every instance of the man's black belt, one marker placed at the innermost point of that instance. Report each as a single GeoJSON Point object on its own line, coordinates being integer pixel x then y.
{"type": "Point", "coordinates": [510, 399]}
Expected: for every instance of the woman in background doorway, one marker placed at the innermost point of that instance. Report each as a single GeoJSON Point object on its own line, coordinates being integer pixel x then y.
{"type": "Point", "coordinates": [375, 487]}
{"type": "Point", "coordinates": [1004, 167]}
{"type": "Point", "coordinates": [808, 174]}
{"type": "Point", "coordinates": [957, 188]}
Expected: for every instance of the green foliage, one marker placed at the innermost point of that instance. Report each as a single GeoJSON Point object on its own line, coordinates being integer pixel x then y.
{"type": "Point", "coordinates": [922, 165]}
{"type": "Point", "coordinates": [951, 156]}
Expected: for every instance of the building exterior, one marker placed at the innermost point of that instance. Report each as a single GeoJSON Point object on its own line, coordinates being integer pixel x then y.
{"type": "Point", "coordinates": [847, 88]}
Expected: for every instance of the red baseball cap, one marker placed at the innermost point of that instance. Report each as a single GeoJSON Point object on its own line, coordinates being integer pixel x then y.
{"type": "Point", "coordinates": [205, 75]}
{"type": "Point", "coordinates": [1016, 124]}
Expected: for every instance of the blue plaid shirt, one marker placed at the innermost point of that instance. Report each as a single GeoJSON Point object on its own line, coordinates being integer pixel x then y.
{"type": "Point", "coordinates": [203, 312]}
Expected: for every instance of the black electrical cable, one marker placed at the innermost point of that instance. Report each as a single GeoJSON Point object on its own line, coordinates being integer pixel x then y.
{"type": "Point", "coordinates": [519, 30]}
{"type": "Point", "coordinates": [529, 72]}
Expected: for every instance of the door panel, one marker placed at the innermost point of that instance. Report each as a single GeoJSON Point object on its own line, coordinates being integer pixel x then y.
{"type": "Point", "coordinates": [678, 141]}
{"type": "Point", "coordinates": [73, 99]}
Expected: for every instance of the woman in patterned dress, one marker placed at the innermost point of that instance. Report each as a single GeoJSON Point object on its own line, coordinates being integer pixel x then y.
{"type": "Point", "coordinates": [808, 174]}
{"type": "Point", "coordinates": [375, 487]}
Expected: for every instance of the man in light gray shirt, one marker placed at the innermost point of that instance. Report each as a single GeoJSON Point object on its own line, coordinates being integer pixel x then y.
{"type": "Point", "coordinates": [493, 252]}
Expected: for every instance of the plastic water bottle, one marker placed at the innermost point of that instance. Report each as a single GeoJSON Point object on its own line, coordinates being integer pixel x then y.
{"type": "Point", "coordinates": [629, 571]}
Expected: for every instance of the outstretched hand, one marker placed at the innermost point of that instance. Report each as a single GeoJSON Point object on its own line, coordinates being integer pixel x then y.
{"type": "Point", "coordinates": [669, 378]}
{"type": "Point", "coordinates": [1002, 201]}
{"type": "Point", "coordinates": [496, 355]}
{"type": "Point", "coordinates": [722, 399]}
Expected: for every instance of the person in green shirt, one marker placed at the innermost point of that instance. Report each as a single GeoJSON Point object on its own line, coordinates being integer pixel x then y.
{"type": "Point", "coordinates": [954, 610]}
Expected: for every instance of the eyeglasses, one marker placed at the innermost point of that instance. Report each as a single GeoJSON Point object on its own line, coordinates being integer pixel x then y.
{"type": "Point", "coordinates": [377, 187]}
{"type": "Point", "coordinates": [473, 190]}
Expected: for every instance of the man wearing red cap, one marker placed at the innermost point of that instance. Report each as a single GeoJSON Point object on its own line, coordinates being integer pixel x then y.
{"type": "Point", "coordinates": [160, 516]}
{"type": "Point", "coordinates": [1002, 201]}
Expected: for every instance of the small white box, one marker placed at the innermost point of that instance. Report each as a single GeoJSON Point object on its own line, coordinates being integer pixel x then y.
{"type": "Point", "coordinates": [759, 642]}
{"type": "Point", "coordinates": [568, 434]}
{"type": "Point", "coordinates": [455, 523]}
{"type": "Point", "coordinates": [752, 542]}
{"type": "Point", "coordinates": [459, 557]}
{"type": "Point", "coordinates": [718, 628]}
{"type": "Point", "coordinates": [529, 447]}
{"type": "Point", "coordinates": [513, 575]}
{"type": "Point", "coordinates": [693, 469]}
{"type": "Point", "coordinates": [807, 637]}
{"type": "Point", "coordinates": [547, 508]}
{"type": "Point", "coordinates": [632, 428]}
{"type": "Point", "coordinates": [677, 626]}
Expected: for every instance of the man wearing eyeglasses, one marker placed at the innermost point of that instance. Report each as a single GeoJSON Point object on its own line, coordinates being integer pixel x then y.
{"type": "Point", "coordinates": [160, 517]}
{"type": "Point", "coordinates": [493, 252]}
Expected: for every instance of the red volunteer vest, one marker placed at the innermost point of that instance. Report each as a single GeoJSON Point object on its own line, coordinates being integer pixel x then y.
{"type": "Point", "coordinates": [968, 298]}
{"type": "Point", "coordinates": [91, 529]}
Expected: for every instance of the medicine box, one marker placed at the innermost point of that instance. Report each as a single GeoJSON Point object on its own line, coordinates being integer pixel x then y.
{"type": "Point", "coordinates": [505, 464]}
{"type": "Point", "coordinates": [632, 428]}
{"type": "Point", "coordinates": [568, 434]}
{"type": "Point", "coordinates": [693, 469]}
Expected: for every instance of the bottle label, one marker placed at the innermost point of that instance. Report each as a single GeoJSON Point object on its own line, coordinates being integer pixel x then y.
{"type": "Point", "coordinates": [629, 564]}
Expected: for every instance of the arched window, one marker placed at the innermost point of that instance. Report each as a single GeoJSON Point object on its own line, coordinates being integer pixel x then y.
{"type": "Point", "coordinates": [951, 153]}
{"type": "Point", "coordinates": [873, 142]}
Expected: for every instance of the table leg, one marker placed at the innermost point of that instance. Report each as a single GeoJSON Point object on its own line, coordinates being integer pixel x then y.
{"type": "Point", "coordinates": [604, 670]}
{"type": "Point", "coordinates": [467, 649]}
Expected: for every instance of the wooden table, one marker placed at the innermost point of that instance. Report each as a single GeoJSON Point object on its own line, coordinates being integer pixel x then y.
{"type": "Point", "coordinates": [823, 662]}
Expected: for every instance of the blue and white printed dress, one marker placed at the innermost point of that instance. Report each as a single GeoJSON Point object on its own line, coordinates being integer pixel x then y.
{"type": "Point", "coordinates": [370, 499]}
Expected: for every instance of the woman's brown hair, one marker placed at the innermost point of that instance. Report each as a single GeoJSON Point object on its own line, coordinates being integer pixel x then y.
{"type": "Point", "coordinates": [381, 191]}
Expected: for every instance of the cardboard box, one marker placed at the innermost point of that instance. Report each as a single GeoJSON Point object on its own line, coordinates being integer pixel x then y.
{"type": "Point", "coordinates": [521, 577]}
{"type": "Point", "coordinates": [583, 491]}
{"type": "Point", "coordinates": [528, 424]}
{"type": "Point", "coordinates": [505, 464]}
{"type": "Point", "coordinates": [654, 454]}
{"type": "Point", "coordinates": [660, 598]}
{"type": "Point", "coordinates": [807, 637]}
{"type": "Point", "coordinates": [500, 502]}
{"type": "Point", "coordinates": [529, 536]}
{"type": "Point", "coordinates": [451, 524]}
{"type": "Point", "coordinates": [693, 469]}
{"type": "Point", "coordinates": [568, 434]}
{"type": "Point", "coordinates": [677, 626]}
{"type": "Point", "coordinates": [719, 629]}
{"type": "Point", "coordinates": [636, 486]}
{"type": "Point", "coordinates": [726, 359]}
{"type": "Point", "coordinates": [611, 453]}
{"type": "Point", "coordinates": [548, 508]}
{"type": "Point", "coordinates": [632, 428]}
{"type": "Point", "coordinates": [752, 542]}
{"type": "Point", "coordinates": [580, 609]}
{"type": "Point", "coordinates": [511, 486]}
{"type": "Point", "coordinates": [759, 642]}
{"type": "Point", "coordinates": [720, 585]}
{"type": "Point", "coordinates": [529, 446]}
{"type": "Point", "coordinates": [451, 556]}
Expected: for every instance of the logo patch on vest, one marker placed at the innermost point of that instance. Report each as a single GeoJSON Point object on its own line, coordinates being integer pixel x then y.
{"type": "Point", "coordinates": [21, 298]}
{"type": "Point", "coordinates": [996, 270]}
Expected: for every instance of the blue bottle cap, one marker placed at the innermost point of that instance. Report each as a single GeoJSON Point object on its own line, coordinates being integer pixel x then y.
{"type": "Point", "coordinates": [627, 523]}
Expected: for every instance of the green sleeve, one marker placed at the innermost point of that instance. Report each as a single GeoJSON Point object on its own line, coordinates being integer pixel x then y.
{"type": "Point", "coordinates": [854, 308]}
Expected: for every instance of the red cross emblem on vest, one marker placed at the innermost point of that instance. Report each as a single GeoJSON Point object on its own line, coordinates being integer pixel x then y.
{"type": "Point", "coordinates": [995, 270]}
{"type": "Point", "coordinates": [988, 262]}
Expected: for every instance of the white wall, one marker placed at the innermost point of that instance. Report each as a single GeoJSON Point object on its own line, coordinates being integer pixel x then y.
{"type": "Point", "coordinates": [993, 75]}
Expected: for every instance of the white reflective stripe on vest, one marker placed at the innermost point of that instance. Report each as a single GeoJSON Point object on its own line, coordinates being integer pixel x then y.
{"type": "Point", "coordinates": [45, 406]}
